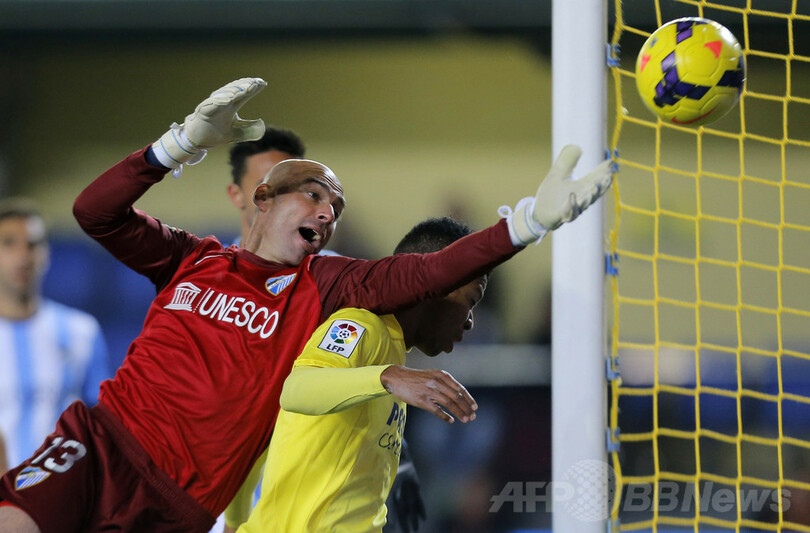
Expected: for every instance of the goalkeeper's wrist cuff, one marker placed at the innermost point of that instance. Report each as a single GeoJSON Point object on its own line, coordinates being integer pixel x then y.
{"type": "Point", "coordinates": [523, 229]}
{"type": "Point", "coordinates": [152, 159]}
{"type": "Point", "coordinates": [173, 149]}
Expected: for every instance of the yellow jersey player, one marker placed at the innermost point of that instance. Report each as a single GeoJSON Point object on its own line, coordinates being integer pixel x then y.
{"type": "Point", "coordinates": [333, 472]}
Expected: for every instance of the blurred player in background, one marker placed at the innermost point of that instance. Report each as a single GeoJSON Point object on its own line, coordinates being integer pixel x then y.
{"type": "Point", "coordinates": [50, 354]}
{"type": "Point", "coordinates": [250, 161]}
{"type": "Point", "coordinates": [333, 472]}
{"type": "Point", "coordinates": [178, 428]}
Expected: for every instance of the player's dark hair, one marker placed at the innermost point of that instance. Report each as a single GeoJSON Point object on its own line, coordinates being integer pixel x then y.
{"type": "Point", "coordinates": [273, 139]}
{"type": "Point", "coordinates": [19, 208]}
{"type": "Point", "coordinates": [432, 235]}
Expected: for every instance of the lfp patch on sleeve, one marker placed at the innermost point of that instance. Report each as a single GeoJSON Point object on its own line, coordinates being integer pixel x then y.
{"type": "Point", "coordinates": [342, 338]}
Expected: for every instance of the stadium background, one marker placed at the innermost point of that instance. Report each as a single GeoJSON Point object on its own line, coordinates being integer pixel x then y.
{"type": "Point", "coordinates": [422, 108]}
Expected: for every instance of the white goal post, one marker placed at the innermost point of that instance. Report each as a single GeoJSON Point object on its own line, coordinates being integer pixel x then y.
{"type": "Point", "coordinates": [578, 349]}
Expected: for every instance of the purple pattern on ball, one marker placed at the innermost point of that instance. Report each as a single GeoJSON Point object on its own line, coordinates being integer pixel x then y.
{"type": "Point", "coordinates": [664, 96]}
{"type": "Point", "coordinates": [682, 88]}
{"type": "Point", "coordinates": [696, 92]}
{"type": "Point", "coordinates": [668, 62]}
{"type": "Point", "coordinates": [684, 25]}
{"type": "Point", "coordinates": [732, 78]}
{"type": "Point", "coordinates": [683, 35]}
{"type": "Point", "coordinates": [684, 29]}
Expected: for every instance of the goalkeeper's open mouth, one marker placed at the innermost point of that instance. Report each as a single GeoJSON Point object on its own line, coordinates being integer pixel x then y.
{"type": "Point", "coordinates": [313, 238]}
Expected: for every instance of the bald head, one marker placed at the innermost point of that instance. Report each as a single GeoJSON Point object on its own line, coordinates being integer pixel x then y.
{"type": "Point", "coordinates": [289, 174]}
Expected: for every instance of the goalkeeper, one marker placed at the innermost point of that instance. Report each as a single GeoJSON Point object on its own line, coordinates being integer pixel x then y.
{"type": "Point", "coordinates": [162, 449]}
{"type": "Point", "coordinates": [334, 472]}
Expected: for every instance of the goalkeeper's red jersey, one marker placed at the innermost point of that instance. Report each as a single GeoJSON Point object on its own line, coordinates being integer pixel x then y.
{"type": "Point", "coordinates": [199, 386]}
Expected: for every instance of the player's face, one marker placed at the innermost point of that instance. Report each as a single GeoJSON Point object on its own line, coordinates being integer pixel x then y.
{"type": "Point", "coordinates": [443, 321]}
{"type": "Point", "coordinates": [300, 222]}
{"type": "Point", "coordinates": [23, 255]}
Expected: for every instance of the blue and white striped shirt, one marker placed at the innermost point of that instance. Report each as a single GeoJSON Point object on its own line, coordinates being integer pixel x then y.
{"type": "Point", "coordinates": [46, 362]}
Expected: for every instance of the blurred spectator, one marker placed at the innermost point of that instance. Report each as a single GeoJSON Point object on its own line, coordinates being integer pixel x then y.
{"type": "Point", "coordinates": [50, 354]}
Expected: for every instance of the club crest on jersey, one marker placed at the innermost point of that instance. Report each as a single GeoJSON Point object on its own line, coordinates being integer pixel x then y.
{"type": "Point", "coordinates": [275, 285]}
{"type": "Point", "coordinates": [30, 476]}
{"type": "Point", "coordinates": [342, 338]}
{"type": "Point", "coordinates": [184, 295]}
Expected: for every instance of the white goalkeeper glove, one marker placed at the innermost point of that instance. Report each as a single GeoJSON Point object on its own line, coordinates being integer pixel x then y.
{"type": "Point", "coordinates": [214, 122]}
{"type": "Point", "coordinates": [559, 199]}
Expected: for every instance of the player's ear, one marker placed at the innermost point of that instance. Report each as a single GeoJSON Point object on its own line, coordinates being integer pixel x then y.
{"type": "Point", "coordinates": [261, 195]}
{"type": "Point", "coordinates": [237, 196]}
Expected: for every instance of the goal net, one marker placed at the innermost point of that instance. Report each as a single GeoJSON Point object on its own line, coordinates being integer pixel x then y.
{"type": "Point", "coordinates": [709, 251]}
